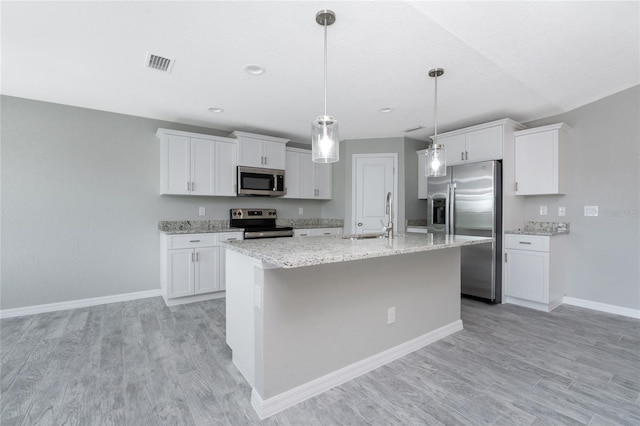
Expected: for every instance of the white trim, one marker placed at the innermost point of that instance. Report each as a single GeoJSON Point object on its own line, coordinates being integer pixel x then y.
{"type": "Point", "coordinates": [196, 298]}
{"type": "Point", "coordinates": [538, 306]}
{"type": "Point", "coordinates": [80, 303]}
{"type": "Point", "coordinates": [273, 405]}
{"type": "Point", "coordinates": [603, 307]}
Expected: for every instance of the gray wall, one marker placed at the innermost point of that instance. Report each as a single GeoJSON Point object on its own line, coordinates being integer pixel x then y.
{"type": "Point", "coordinates": [80, 203]}
{"type": "Point", "coordinates": [604, 170]}
{"type": "Point", "coordinates": [414, 207]}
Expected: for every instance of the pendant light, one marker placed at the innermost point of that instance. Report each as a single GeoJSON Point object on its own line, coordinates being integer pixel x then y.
{"type": "Point", "coordinates": [436, 160]}
{"type": "Point", "coordinates": [324, 130]}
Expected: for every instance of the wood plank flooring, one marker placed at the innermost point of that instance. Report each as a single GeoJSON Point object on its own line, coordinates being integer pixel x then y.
{"type": "Point", "coordinates": [142, 363]}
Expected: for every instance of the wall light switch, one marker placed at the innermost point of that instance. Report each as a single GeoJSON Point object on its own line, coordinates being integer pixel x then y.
{"type": "Point", "coordinates": [201, 211]}
{"type": "Point", "coordinates": [543, 210]}
{"type": "Point", "coordinates": [591, 210]}
{"type": "Point", "coordinates": [391, 315]}
{"type": "Point", "coordinates": [562, 211]}
{"type": "Point", "coordinates": [300, 210]}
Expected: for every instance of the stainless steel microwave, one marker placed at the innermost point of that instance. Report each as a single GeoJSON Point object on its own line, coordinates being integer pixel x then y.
{"type": "Point", "coordinates": [261, 182]}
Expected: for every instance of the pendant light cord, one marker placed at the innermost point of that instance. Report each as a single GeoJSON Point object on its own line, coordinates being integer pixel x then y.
{"type": "Point", "coordinates": [435, 112]}
{"type": "Point", "coordinates": [325, 66]}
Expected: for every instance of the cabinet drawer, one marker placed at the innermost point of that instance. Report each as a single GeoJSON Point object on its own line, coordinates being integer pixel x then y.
{"type": "Point", "coordinates": [191, 241]}
{"type": "Point", "coordinates": [527, 242]}
{"type": "Point", "coordinates": [229, 236]}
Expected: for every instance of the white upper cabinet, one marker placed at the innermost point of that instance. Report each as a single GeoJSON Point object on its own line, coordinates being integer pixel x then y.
{"type": "Point", "coordinates": [306, 179]}
{"type": "Point", "coordinates": [195, 164]}
{"type": "Point", "coordinates": [474, 144]}
{"type": "Point", "coordinates": [422, 177]}
{"type": "Point", "coordinates": [541, 160]}
{"type": "Point", "coordinates": [260, 151]}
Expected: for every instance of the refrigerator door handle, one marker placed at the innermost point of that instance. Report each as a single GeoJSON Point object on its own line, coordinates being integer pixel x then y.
{"type": "Point", "coordinates": [451, 208]}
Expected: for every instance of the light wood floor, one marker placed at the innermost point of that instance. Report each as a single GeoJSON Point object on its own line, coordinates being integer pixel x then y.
{"type": "Point", "coordinates": [141, 363]}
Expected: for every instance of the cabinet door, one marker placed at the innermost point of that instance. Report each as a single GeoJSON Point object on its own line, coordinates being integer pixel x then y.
{"type": "Point", "coordinates": [202, 156]}
{"type": "Point", "coordinates": [454, 148]}
{"type": "Point", "coordinates": [484, 144]}
{"type": "Point", "coordinates": [307, 176]}
{"type": "Point", "coordinates": [321, 232]}
{"type": "Point", "coordinates": [323, 180]}
{"type": "Point", "coordinates": [206, 278]}
{"type": "Point", "coordinates": [422, 177]}
{"type": "Point", "coordinates": [292, 174]}
{"type": "Point", "coordinates": [180, 279]}
{"type": "Point", "coordinates": [274, 155]}
{"type": "Point", "coordinates": [528, 275]}
{"type": "Point", "coordinates": [175, 165]}
{"type": "Point", "coordinates": [225, 168]}
{"type": "Point", "coordinates": [250, 152]}
{"type": "Point", "coordinates": [537, 163]}
{"type": "Point", "coordinates": [222, 275]}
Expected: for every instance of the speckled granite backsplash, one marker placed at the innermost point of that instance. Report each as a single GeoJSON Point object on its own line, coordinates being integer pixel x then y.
{"type": "Point", "coordinates": [311, 223]}
{"type": "Point", "coordinates": [416, 222]}
{"type": "Point", "coordinates": [192, 226]}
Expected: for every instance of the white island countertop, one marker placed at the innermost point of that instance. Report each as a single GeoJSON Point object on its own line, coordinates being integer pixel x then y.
{"type": "Point", "coordinates": [306, 251]}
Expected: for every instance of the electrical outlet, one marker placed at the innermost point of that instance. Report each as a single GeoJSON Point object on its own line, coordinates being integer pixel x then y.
{"type": "Point", "coordinates": [300, 210]}
{"type": "Point", "coordinates": [201, 211]}
{"type": "Point", "coordinates": [591, 210]}
{"type": "Point", "coordinates": [543, 210]}
{"type": "Point", "coordinates": [391, 315]}
{"type": "Point", "coordinates": [562, 211]}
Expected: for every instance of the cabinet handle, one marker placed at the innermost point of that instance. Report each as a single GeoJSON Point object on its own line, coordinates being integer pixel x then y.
{"type": "Point", "coordinates": [265, 160]}
{"type": "Point", "coordinates": [197, 257]}
{"type": "Point", "coordinates": [231, 239]}
{"type": "Point", "coordinates": [506, 259]}
{"type": "Point", "coordinates": [524, 242]}
{"type": "Point", "coordinates": [188, 186]}
{"type": "Point", "coordinates": [461, 156]}
{"type": "Point", "coordinates": [516, 186]}
{"type": "Point", "coordinates": [194, 241]}
{"type": "Point", "coordinates": [192, 257]}
{"type": "Point", "coordinates": [327, 233]}
{"type": "Point", "coordinates": [466, 155]}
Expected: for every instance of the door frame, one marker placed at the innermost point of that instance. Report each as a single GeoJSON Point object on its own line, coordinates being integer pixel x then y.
{"type": "Point", "coordinates": [354, 157]}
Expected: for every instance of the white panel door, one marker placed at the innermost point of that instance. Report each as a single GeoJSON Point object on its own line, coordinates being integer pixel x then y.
{"type": "Point", "coordinates": [374, 178]}
{"type": "Point", "coordinates": [180, 279]}
{"type": "Point", "coordinates": [307, 180]}
{"type": "Point", "coordinates": [528, 275]}
{"type": "Point", "coordinates": [177, 165]}
{"type": "Point", "coordinates": [484, 144]}
{"type": "Point", "coordinates": [207, 273]}
{"type": "Point", "coordinates": [202, 155]}
{"type": "Point", "coordinates": [537, 163]}
{"type": "Point", "coordinates": [225, 168]}
{"type": "Point", "coordinates": [250, 152]}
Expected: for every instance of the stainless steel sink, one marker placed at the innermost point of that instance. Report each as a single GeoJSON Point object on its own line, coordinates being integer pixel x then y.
{"type": "Point", "coordinates": [361, 236]}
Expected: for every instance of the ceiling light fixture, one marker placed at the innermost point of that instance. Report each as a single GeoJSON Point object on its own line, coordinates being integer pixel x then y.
{"type": "Point", "coordinates": [324, 129]}
{"type": "Point", "coordinates": [215, 110]}
{"type": "Point", "coordinates": [385, 110]}
{"type": "Point", "coordinates": [436, 160]}
{"type": "Point", "coordinates": [254, 69]}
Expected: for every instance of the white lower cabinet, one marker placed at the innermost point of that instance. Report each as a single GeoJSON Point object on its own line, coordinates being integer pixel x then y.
{"type": "Point", "coordinates": [535, 272]}
{"type": "Point", "coordinates": [316, 232]}
{"type": "Point", "coordinates": [193, 266]}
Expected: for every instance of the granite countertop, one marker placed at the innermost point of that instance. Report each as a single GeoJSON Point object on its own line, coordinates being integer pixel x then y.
{"type": "Point", "coordinates": [299, 252]}
{"type": "Point", "coordinates": [210, 226]}
{"type": "Point", "coordinates": [545, 229]}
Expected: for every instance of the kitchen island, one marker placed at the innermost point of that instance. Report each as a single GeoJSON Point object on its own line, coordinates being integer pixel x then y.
{"type": "Point", "coordinates": [307, 314]}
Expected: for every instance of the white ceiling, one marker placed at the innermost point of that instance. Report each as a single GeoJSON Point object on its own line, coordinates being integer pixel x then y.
{"type": "Point", "coordinates": [523, 60]}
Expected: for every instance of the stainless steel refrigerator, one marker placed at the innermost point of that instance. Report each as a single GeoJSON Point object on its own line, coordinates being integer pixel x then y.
{"type": "Point", "coordinates": [468, 201]}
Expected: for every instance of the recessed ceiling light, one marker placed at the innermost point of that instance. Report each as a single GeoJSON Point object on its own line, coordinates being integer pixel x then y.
{"type": "Point", "coordinates": [254, 69]}
{"type": "Point", "coordinates": [386, 110]}
{"type": "Point", "coordinates": [215, 110]}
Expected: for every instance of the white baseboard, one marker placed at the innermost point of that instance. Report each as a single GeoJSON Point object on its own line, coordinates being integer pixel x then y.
{"type": "Point", "coordinates": [273, 405]}
{"type": "Point", "coordinates": [81, 303]}
{"type": "Point", "coordinates": [602, 307]}
{"type": "Point", "coordinates": [196, 298]}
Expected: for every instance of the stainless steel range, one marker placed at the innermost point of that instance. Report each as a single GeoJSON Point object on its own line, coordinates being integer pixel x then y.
{"type": "Point", "coordinates": [258, 223]}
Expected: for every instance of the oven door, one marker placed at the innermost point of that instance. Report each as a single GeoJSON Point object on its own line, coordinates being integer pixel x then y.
{"type": "Point", "coordinates": [260, 182]}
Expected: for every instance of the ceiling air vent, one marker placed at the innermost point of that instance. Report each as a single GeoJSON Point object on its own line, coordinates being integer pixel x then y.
{"type": "Point", "coordinates": [413, 129]}
{"type": "Point", "coordinates": [159, 63]}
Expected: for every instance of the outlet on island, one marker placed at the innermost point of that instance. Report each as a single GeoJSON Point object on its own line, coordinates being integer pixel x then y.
{"type": "Point", "coordinates": [300, 210]}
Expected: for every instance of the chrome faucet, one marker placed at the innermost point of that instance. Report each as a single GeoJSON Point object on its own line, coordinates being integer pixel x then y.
{"type": "Point", "coordinates": [388, 228]}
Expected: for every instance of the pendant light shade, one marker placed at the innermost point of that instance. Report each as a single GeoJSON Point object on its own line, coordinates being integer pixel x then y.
{"type": "Point", "coordinates": [436, 158]}
{"type": "Point", "coordinates": [324, 130]}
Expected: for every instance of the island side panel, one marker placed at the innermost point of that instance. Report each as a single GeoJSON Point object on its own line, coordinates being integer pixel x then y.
{"type": "Point", "coordinates": [318, 319]}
